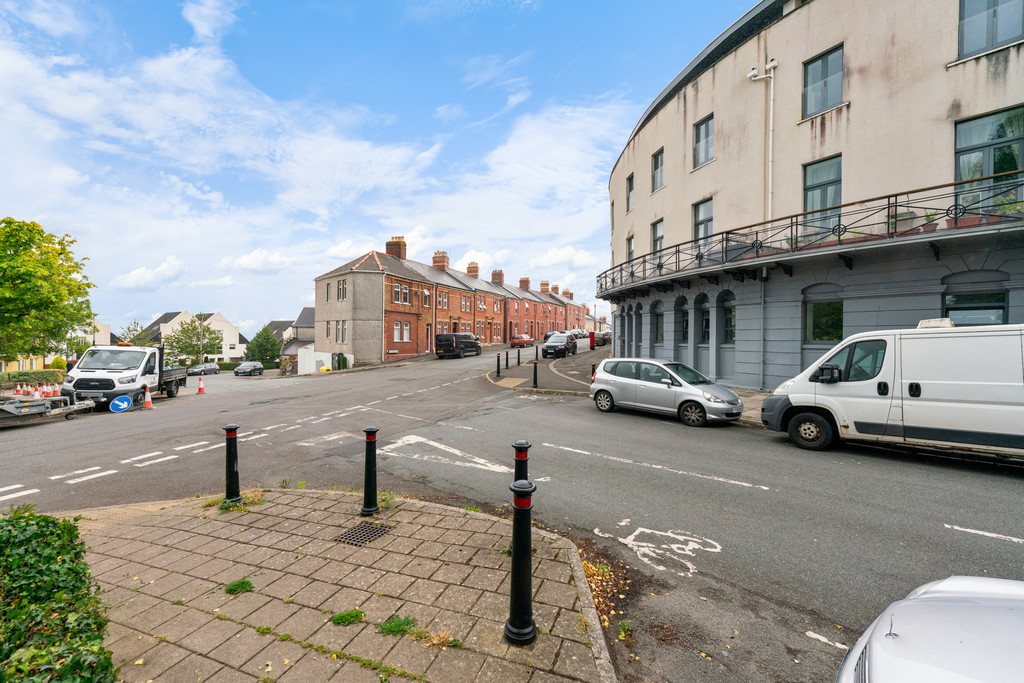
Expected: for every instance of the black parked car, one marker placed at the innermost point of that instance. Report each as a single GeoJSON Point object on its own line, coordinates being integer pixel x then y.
{"type": "Point", "coordinates": [249, 367]}
{"type": "Point", "coordinates": [559, 344]}
{"type": "Point", "coordinates": [457, 344]}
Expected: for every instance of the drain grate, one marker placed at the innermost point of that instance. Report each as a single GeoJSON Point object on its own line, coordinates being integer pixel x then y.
{"type": "Point", "coordinates": [363, 534]}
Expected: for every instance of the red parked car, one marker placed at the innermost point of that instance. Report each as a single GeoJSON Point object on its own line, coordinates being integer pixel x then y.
{"type": "Point", "coordinates": [523, 340]}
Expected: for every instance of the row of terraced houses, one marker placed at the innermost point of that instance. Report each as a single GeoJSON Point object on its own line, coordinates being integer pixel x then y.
{"type": "Point", "coordinates": [383, 306]}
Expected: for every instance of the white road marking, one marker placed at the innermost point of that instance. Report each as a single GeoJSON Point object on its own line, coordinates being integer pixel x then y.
{"type": "Point", "coordinates": [142, 457]}
{"type": "Point", "coordinates": [449, 424]}
{"type": "Point", "coordinates": [322, 419]}
{"type": "Point", "coordinates": [291, 428]}
{"type": "Point", "coordinates": [267, 429]}
{"type": "Point", "coordinates": [432, 388]}
{"type": "Point", "coordinates": [330, 413]}
{"type": "Point", "coordinates": [623, 522]}
{"type": "Point", "coordinates": [812, 634]}
{"type": "Point", "coordinates": [11, 488]}
{"type": "Point", "coordinates": [61, 476]}
{"type": "Point", "coordinates": [409, 394]}
{"type": "Point", "coordinates": [372, 403]}
{"type": "Point", "coordinates": [18, 494]}
{"type": "Point", "coordinates": [543, 479]}
{"type": "Point", "coordinates": [241, 434]}
{"type": "Point", "coordinates": [389, 412]}
{"type": "Point", "coordinates": [662, 467]}
{"type": "Point", "coordinates": [989, 534]}
{"type": "Point", "coordinates": [676, 544]}
{"type": "Point", "coordinates": [320, 439]}
{"type": "Point", "coordinates": [447, 384]}
{"type": "Point", "coordinates": [191, 445]}
{"type": "Point", "coordinates": [208, 448]}
{"type": "Point", "coordinates": [467, 460]}
{"type": "Point", "coordinates": [257, 436]}
{"type": "Point", "coordinates": [422, 390]}
{"type": "Point", "coordinates": [390, 398]}
{"type": "Point", "coordinates": [151, 462]}
{"type": "Point", "coordinates": [306, 419]}
{"type": "Point", "coordinates": [91, 476]}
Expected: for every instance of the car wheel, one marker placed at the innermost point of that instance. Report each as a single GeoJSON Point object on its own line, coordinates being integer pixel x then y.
{"type": "Point", "coordinates": [462, 353]}
{"type": "Point", "coordinates": [261, 372]}
{"type": "Point", "coordinates": [693, 414]}
{"type": "Point", "coordinates": [811, 431]}
{"type": "Point", "coordinates": [543, 354]}
{"type": "Point", "coordinates": [217, 371]}
{"type": "Point", "coordinates": [604, 402]}
{"type": "Point", "coordinates": [202, 372]}
{"type": "Point", "coordinates": [172, 389]}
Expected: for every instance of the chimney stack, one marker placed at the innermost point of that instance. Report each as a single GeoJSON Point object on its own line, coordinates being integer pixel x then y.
{"type": "Point", "coordinates": [544, 289]}
{"type": "Point", "coordinates": [441, 260]}
{"type": "Point", "coordinates": [497, 277]}
{"type": "Point", "coordinates": [473, 269]}
{"type": "Point", "coordinates": [396, 247]}
{"type": "Point", "coordinates": [554, 289]}
{"type": "Point", "coordinates": [567, 294]}
{"type": "Point", "coordinates": [524, 283]}
{"type": "Point", "coordinates": [603, 318]}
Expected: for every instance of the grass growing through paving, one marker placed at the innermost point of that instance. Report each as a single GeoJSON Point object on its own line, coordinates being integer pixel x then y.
{"type": "Point", "coordinates": [250, 497]}
{"type": "Point", "coordinates": [240, 586]}
{"type": "Point", "coordinates": [385, 499]}
{"type": "Point", "coordinates": [396, 625]}
{"type": "Point", "coordinates": [353, 616]}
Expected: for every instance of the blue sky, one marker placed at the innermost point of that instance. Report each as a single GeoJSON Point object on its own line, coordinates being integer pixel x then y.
{"type": "Point", "coordinates": [218, 155]}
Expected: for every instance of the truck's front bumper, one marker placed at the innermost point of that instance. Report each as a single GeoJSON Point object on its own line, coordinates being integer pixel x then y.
{"type": "Point", "coordinates": [772, 409]}
{"type": "Point", "coordinates": [97, 397]}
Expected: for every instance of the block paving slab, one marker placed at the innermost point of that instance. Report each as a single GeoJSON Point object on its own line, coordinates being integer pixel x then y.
{"type": "Point", "coordinates": [163, 569]}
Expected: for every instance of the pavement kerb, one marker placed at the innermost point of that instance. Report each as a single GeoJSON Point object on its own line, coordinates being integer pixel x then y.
{"type": "Point", "coordinates": [489, 376]}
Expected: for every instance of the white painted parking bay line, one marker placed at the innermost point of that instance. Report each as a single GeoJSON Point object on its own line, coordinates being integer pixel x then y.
{"type": "Point", "coordinates": [661, 467]}
{"type": "Point", "coordinates": [18, 494]}
{"type": "Point", "coordinates": [191, 445]}
{"type": "Point", "coordinates": [11, 488]}
{"type": "Point", "coordinates": [141, 457]}
{"type": "Point", "coordinates": [208, 448]}
{"type": "Point", "coordinates": [153, 462]}
{"type": "Point", "coordinates": [91, 476]}
{"type": "Point", "coordinates": [989, 534]}
{"type": "Point", "coordinates": [291, 428]}
{"type": "Point", "coordinates": [372, 403]}
{"type": "Point", "coordinates": [257, 436]}
{"type": "Point", "coordinates": [267, 429]}
{"type": "Point", "coordinates": [61, 476]}
{"type": "Point", "coordinates": [306, 419]}
{"type": "Point", "coordinates": [322, 419]}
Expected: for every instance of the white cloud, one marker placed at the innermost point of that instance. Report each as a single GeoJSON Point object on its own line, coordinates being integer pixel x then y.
{"type": "Point", "coordinates": [225, 281]}
{"type": "Point", "coordinates": [450, 112]}
{"type": "Point", "coordinates": [54, 18]}
{"type": "Point", "coordinates": [257, 260]}
{"type": "Point", "coordinates": [567, 255]}
{"type": "Point", "coordinates": [150, 278]}
{"type": "Point", "coordinates": [210, 18]}
{"type": "Point", "coordinates": [349, 249]}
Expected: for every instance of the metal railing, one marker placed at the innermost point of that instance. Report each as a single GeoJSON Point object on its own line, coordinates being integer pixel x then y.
{"type": "Point", "coordinates": [956, 206]}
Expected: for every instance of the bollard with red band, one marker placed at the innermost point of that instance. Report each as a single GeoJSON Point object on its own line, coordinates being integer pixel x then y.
{"type": "Point", "coordinates": [522, 459]}
{"type": "Point", "coordinates": [521, 629]}
{"type": "Point", "coordinates": [498, 359]}
{"type": "Point", "coordinates": [370, 506]}
{"type": "Point", "coordinates": [232, 494]}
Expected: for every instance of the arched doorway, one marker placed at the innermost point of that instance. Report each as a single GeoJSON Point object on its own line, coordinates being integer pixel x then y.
{"type": "Point", "coordinates": [681, 330]}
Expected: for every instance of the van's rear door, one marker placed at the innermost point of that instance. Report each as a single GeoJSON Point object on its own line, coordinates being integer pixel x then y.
{"type": "Point", "coordinates": [861, 400]}
{"type": "Point", "coordinates": [964, 388]}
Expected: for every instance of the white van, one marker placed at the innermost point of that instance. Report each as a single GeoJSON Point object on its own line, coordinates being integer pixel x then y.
{"type": "Point", "coordinates": [937, 386]}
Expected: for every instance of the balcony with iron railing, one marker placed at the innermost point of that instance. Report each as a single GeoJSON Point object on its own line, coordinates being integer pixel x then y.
{"type": "Point", "coordinates": [931, 214]}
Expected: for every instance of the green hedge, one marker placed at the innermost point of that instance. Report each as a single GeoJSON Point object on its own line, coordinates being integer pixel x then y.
{"type": "Point", "coordinates": [51, 616]}
{"type": "Point", "coordinates": [32, 376]}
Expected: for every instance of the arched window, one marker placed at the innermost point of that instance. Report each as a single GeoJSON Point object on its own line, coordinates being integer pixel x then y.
{"type": "Point", "coordinates": [823, 313]}
{"type": "Point", "coordinates": [703, 319]}
{"type": "Point", "coordinates": [682, 321]}
{"type": "Point", "coordinates": [657, 323]}
{"type": "Point", "coordinates": [727, 317]}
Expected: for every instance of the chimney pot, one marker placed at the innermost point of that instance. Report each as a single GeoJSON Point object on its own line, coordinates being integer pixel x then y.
{"type": "Point", "coordinates": [396, 247]}
{"type": "Point", "coordinates": [473, 269]}
{"type": "Point", "coordinates": [441, 260]}
{"type": "Point", "coordinates": [497, 277]}
{"type": "Point", "coordinates": [524, 283]}
{"type": "Point", "coordinates": [544, 288]}
{"type": "Point", "coordinates": [554, 289]}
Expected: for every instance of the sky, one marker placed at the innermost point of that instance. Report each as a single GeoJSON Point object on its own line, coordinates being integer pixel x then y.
{"type": "Point", "coordinates": [218, 155]}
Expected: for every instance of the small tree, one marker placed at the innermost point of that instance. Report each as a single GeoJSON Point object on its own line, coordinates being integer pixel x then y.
{"type": "Point", "coordinates": [43, 290]}
{"type": "Point", "coordinates": [135, 334]}
{"type": "Point", "coordinates": [193, 339]}
{"type": "Point", "coordinates": [264, 347]}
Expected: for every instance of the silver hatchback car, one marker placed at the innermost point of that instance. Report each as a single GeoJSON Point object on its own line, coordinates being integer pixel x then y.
{"type": "Point", "coordinates": [662, 387]}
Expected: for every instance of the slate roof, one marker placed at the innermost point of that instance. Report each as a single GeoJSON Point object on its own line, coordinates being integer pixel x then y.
{"type": "Point", "coordinates": [153, 329]}
{"type": "Point", "coordinates": [305, 323]}
{"type": "Point", "coordinates": [242, 339]}
{"type": "Point", "coordinates": [279, 327]}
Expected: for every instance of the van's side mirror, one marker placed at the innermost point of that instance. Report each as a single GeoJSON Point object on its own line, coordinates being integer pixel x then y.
{"type": "Point", "coordinates": [827, 373]}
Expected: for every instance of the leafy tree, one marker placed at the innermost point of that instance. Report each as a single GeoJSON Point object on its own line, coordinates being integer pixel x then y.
{"type": "Point", "coordinates": [193, 339]}
{"type": "Point", "coordinates": [44, 296]}
{"type": "Point", "coordinates": [264, 347]}
{"type": "Point", "coordinates": [135, 334]}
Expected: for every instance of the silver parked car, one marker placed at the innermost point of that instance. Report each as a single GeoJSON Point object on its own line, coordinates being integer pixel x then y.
{"type": "Point", "coordinates": [662, 387]}
{"type": "Point", "coordinates": [964, 628]}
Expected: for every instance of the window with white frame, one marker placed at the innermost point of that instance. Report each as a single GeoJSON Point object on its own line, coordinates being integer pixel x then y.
{"type": "Point", "coordinates": [658, 170]}
{"type": "Point", "coordinates": [328, 291]}
{"type": "Point", "coordinates": [823, 188]}
{"type": "Point", "coordinates": [986, 146]}
{"type": "Point", "coordinates": [344, 331]}
{"type": "Point", "coordinates": [657, 235]}
{"type": "Point", "coordinates": [823, 82]}
{"type": "Point", "coordinates": [398, 293]}
{"type": "Point", "coordinates": [328, 330]}
{"type": "Point", "coordinates": [405, 331]}
{"type": "Point", "coordinates": [703, 223]}
{"type": "Point", "coordinates": [398, 332]}
{"type": "Point", "coordinates": [405, 294]}
{"type": "Point", "coordinates": [344, 290]}
{"type": "Point", "coordinates": [629, 193]}
{"type": "Point", "coordinates": [337, 330]}
{"type": "Point", "coordinates": [704, 141]}
{"type": "Point", "coordinates": [426, 298]}
{"type": "Point", "coordinates": [988, 24]}
{"type": "Point", "coordinates": [629, 248]}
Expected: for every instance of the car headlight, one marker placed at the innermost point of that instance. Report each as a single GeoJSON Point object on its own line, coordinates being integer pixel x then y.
{"type": "Point", "coordinates": [127, 380]}
{"type": "Point", "coordinates": [711, 398]}
{"type": "Point", "coordinates": [68, 379]}
{"type": "Point", "coordinates": [785, 385]}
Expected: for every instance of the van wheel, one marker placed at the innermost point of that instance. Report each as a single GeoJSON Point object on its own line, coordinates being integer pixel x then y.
{"type": "Point", "coordinates": [139, 398]}
{"type": "Point", "coordinates": [462, 353]}
{"type": "Point", "coordinates": [693, 414]}
{"type": "Point", "coordinates": [811, 431]}
{"type": "Point", "coordinates": [172, 389]}
{"type": "Point", "coordinates": [604, 402]}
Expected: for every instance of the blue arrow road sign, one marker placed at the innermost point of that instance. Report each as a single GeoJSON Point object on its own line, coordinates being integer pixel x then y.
{"type": "Point", "coordinates": [121, 404]}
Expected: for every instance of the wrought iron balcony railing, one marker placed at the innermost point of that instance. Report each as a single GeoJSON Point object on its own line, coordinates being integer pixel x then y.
{"type": "Point", "coordinates": [988, 202]}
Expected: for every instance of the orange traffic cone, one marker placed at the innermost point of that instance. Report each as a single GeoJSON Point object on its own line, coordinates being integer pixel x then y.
{"type": "Point", "coordinates": [17, 389]}
{"type": "Point", "coordinates": [54, 390]}
{"type": "Point", "coordinates": [35, 394]}
{"type": "Point", "coordinates": [201, 390]}
{"type": "Point", "coordinates": [148, 403]}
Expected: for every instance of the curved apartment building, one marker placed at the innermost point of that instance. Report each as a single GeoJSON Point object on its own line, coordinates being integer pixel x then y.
{"type": "Point", "coordinates": [823, 168]}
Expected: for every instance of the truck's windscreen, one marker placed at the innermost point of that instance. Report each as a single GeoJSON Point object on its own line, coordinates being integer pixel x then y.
{"type": "Point", "coordinates": [111, 359]}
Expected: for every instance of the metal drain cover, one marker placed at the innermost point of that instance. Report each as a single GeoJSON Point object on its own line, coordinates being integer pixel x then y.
{"type": "Point", "coordinates": [363, 534]}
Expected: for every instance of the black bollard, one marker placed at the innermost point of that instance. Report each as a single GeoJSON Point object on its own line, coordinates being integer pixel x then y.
{"type": "Point", "coordinates": [522, 459]}
{"type": "Point", "coordinates": [536, 353]}
{"type": "Point", "coordinates": [231, 492]}
{"type": "Point", "coordinates": [499, 363]}
{"type": "Point", "coordinates": [521, 629]}
{"type": "Point", "coordinates": [506, 360]}
{"type": "Point", "coordinates": [370, 506]}
{"type": "Point", "coordinates": [519, 357]}
{"type": "Point", "coordinates": [534, 374]}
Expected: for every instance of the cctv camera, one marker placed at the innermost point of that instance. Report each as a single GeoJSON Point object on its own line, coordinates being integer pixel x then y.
{"type": "Point", "coordinates": [753, 73]}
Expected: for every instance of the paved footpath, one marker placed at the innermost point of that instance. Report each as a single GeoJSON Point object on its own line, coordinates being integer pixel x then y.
{"type": "Point", "coordinates": [163, 568]}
